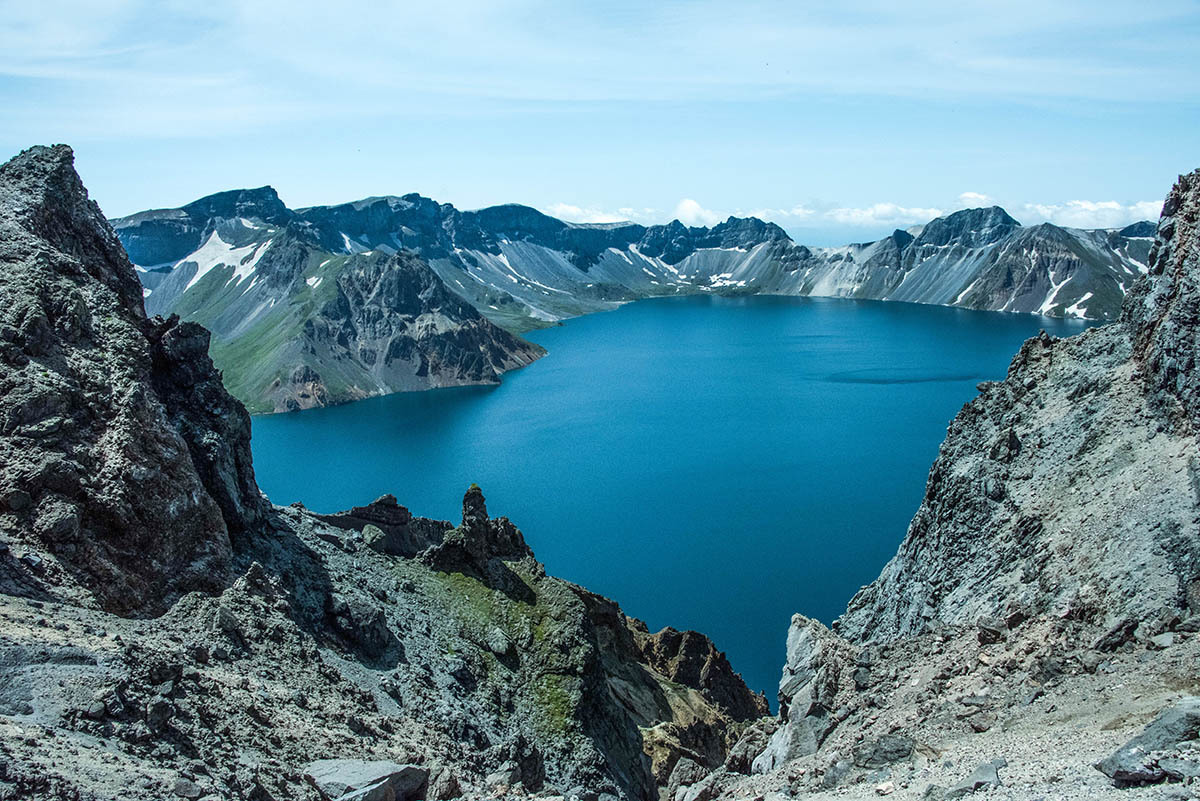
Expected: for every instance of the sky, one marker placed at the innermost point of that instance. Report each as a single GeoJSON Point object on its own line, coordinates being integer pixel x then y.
{"type": "Point", "coordinates": [838, 120]}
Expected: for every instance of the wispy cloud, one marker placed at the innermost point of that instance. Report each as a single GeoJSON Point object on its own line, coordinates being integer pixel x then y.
{"type": "Point", "coordinates": [689, 212]}
{"type": "Point", "coordinates": [1090, 213]}
{"type": "Point", "coordinates": [311, 57]}
{"type": "Point", "coordinates": [974, 200]}
{"type": "Point", "coordinates": [578, 214]}
{"type": "Point", "coordinates": [876, 216]}
{"type": "Point", "coordinates": [485, 101]}
{"type": "Point", "coordinates": [882, 214]}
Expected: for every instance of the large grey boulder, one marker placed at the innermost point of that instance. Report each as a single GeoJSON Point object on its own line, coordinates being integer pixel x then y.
{"type": "Point", "coordinates": [985, 776]}
{"type": "Point", "coordinates": [1136, 763]}
{"type": "Point", "coordinates": [360, 780]}
{"type": "Point", "coordinates": [815, 660]}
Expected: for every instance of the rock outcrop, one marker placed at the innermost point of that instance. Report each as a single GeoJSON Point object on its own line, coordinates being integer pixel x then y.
{"type": "Point", "coordinates": [125, 466]}
{"type": "Point", "coordinates": [169, 633]}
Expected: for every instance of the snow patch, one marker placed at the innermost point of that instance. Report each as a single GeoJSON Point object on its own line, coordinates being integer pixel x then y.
{"type": "Point", "coordinates": [1077, 309]}
{"type": "Point", "coordinates": [216, 252]}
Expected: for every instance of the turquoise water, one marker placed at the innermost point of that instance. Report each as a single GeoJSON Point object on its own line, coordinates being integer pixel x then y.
{"type": "Point", "coordinates": [710, 463]}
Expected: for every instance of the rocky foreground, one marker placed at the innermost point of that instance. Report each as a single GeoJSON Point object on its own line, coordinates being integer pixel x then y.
{"type": "Point", "coordinates": [168, 633]}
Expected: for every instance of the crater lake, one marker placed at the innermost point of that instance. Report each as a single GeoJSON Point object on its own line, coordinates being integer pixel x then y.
{"type": "Point", "coordinates": [709, 463]}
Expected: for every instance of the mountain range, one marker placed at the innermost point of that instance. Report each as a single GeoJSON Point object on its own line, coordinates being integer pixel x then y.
{"type": "Point", "coordinates": [326, 304]}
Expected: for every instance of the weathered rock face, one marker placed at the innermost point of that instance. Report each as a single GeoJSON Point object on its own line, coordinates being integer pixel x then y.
{"type": "Point", "coordinates": [392, 326]}
{"type": "Point", "coordinates": [808, 693]}
{"type": "Point", "coordinates": [125, 466]}
{"type": "Point", "coordinates": [690, 658]}
{"type": "Point", "coordinates": [1073, 486]}
{"type": "Point", "coordinates": [1164, 310]}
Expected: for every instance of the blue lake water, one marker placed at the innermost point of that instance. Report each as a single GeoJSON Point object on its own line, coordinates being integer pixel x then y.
{"type": "Point", "coordinates": [710, 463]}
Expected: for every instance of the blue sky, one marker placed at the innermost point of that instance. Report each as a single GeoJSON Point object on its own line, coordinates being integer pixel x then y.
{"type": "Point", "coordinates": [840, 121]}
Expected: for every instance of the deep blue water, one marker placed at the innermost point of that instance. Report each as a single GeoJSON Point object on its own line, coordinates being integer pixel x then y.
{"type": "Point", "coordinates": [715, 464]}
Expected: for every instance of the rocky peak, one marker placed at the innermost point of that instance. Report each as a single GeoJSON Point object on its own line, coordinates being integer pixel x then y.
{"type": "Point", "coordinates": [1144, 228]}
{"type": "Point", "coordinates": [262, 203]}
{"type": "Point", "coordinates": [969, 227]}
{"type": "Point", "coordinates": [126, 464]}
{"type": "Point", "coordinates": [41, 194]}
{"type": "Point", "coordinates": [744, 231]}
{"type": "Point", "coordinates": [474, 506]}
{"type": "Point", "coordinates": [479, 545]}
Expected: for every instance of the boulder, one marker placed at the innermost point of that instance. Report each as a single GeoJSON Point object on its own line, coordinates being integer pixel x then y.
{"type": "Point", "coordinates": [986, 775]}
{"type": "Point", "coordinates": [816, 658]}
{"type": "Point", "coordinates": [360, 780]}
{"type": "Point", "coordinates": [685, 773]}
{"type": "Point", "coordinates": [884, 751]}
{"type": "Point", "coordinates": [361, 622]}
{"type": "Point", "coordinates": [1135, 763]}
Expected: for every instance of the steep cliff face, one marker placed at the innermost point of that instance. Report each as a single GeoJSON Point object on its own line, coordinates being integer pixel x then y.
{"type": "Point", "coordinates": [1073, 486]}
{"type": "Point", "coordinates": [125, 465]}
{"type": "Point", "coordinates": [391, 326]}
{"type": "Point", "coordinates": [169, 633]}
{"type": "Point", "coordinates": [1164, 311]}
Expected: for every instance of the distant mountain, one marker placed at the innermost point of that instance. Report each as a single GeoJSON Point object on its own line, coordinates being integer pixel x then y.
{"type": "Point", "coordinates": [296, 325]}
{"type": "Point", "coordinates": [291, 292]}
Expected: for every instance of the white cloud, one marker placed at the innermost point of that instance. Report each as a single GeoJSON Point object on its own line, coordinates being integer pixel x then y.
{"type": "Point", "coordinates": [794, 214]}
{"type": "Point", "coordinates": [571, 213]}
{"type": "Point", "coordinates": [882, 214]}
{"type": "Point", "coordinates": [972, 200]}
{"type": "Point", "coordinates": [689, 212]}
{"type": "Point", "coordinates": [1090, 213]}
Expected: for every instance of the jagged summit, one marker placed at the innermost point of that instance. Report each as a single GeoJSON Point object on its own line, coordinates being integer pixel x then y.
{"type": "Point", "coordinates": [970, 227]}
{"type": "Point", "coordinates": [1144, 228]}
{"type": "Point", "coordinates": [41, 195]}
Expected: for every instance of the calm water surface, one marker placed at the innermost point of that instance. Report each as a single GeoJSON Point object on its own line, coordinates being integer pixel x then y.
{"type": "Point", "coordinates": [715, 464]}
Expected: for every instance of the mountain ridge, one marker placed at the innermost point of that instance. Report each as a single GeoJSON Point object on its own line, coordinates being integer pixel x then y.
{"type": "Point", "coordinates": [524, 268]}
